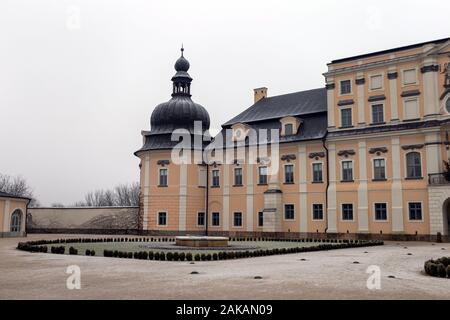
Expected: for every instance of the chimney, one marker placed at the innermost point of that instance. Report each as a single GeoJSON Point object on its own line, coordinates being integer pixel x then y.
{"type": "Point", "coordinates": [260, 93]}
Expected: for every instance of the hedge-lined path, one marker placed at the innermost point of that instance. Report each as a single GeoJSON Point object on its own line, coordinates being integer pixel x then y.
{"type": "Point", "coordinates": [325, 274]}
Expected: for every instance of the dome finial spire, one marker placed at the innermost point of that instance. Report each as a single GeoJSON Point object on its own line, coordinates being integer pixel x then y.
{"type": "Point", "coordinates": [182, 50]}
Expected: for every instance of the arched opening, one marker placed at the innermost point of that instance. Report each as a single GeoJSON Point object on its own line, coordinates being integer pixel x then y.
{"type": "Point", "coordinates": [16, 221]}
{"type": "Point", "coordinates": [446, 217]}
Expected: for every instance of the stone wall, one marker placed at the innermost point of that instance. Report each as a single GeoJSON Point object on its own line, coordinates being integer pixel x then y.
{"type": "Point", "coordinates": [87, 220]}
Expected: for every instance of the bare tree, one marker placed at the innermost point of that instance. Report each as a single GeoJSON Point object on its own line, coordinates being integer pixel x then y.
{"type": "Point", "coordinates": [122, 195]}
{"type": "Point", "coordinates": [17, 186]}
{"type": "Point", "coordinates": [57, 205]}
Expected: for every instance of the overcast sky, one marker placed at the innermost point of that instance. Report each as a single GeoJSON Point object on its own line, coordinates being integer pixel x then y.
{"type": "Point", "coordinates": [80, 79]}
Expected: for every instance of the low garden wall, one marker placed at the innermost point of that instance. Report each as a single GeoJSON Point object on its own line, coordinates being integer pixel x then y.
{"type": "Point", "coordinates": [83, 220]}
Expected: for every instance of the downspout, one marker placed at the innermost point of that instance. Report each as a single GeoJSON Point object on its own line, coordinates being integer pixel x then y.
{"type": "Point", "coordinates": [328, 183]}
{"type": "Point", "coordinates": [206, 199]}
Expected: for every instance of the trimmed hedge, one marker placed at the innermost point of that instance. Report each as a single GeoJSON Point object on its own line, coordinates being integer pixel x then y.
{"type": "Point", "coordinates": [438, 268]}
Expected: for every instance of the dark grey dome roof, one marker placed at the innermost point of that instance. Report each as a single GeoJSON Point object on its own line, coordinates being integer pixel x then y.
{"type": "Point", "coordinates": [178, 112]}
{"type": "Point", "coordinates": [182, 64]}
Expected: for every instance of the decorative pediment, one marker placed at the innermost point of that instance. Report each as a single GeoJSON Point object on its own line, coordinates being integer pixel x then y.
{"type": "Point", "coordinates": [413, 146]}
{"type": "Point", "coordinates": [346, 153]}
{"type": "Point", "coordinates": [263, 160]}
{"type": "Point", "coordinates": [316, 155]}
{"type": "Point", "coordinates": [240, 131]}
{"type": "Point", "coordinates": [378, 150]}
{"type": "Point", "coordinates": [294, 121]}
{"type": "Point", "coordinates": [163, 163]}
{"type": "Point", "coordinates": [288, 157]}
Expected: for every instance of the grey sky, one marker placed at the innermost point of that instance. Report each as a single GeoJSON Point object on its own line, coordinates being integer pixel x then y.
{"type": "Point", "coordinates": [74, 96]}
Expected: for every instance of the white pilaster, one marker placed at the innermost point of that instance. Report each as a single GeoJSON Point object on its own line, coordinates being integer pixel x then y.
{"type": "Point", "coordinates": [330, 103]}
{"type": "Point", "coordinates": [226, 197]}
{"type": "Point", "coordinates": [182, 197]}
{"type": "Point", "coordinates": [332, 202]}
{"type": "Point", "coordinates": [363, 202]}
{"type": "Point", "coordinates": [7, 217]}
{"type": "Point", "coordinates": [430, 89]}
{"type": "Point", "coordinates": [361, 100]}
{"type": "Point", "coordinates": [249, 196]}
{"type": "Point", "coordinates": [433, 150]}
{"type": "Point", "coordinates": [393, 95]}
{"type": "Point", "coordinates": [396, 189]}
{"type": "Point", "coordinates": [302, 163]}
{"type": "Point", "coordinates": [146, 191]}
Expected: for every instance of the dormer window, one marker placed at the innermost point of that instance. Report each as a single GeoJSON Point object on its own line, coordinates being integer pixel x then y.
{"type": "Point", "coordinates": [288, 129]}
{"type": "Point", "coordinates": [289, 126]}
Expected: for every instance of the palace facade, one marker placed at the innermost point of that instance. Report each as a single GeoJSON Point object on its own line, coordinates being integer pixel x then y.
{"type": "Point", "coordinates": [361, 157]}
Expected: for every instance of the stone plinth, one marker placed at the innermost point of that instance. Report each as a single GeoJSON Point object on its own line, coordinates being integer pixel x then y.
{"type": "Point", "coordinates": [196, 241]}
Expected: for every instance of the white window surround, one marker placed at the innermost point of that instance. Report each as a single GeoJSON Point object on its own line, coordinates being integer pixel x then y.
{"type": "Point", "coordinates": [342, 169]}
{"type": "Point", "coordinates": [416, 114]}
{"type": "Point", "coordinates": [159, 176]}
{"type": "Point", "coordinates": [385, 168]}
{"type": "Point", "coordinates": [284, 212]}
{"type": "Point", "coordinates": [312, 212]}
{"type": "Point", "coordinates": [341, 216]}
{"type": "Point", "coordinates": [259, 174]}
{"type": "Point", "coordinates": [204, 219]}
{"type": "Point", "coordinates": [351, 87]}
{"type": "Point", "coordinates": [295, 122]}
{"type": "Point", "coordinates": [212, 177]}
{"type": "Point", "coordinates": [242, 220]}
{"type": "Point", "coordinates": [416, 75]}
{"type": "Point", "coordinates": [340, 115]}
{"type": "Point", "coordinates": [405, 162]}
{"type": "Point", "coordinates": [380, 78]}
{"type": "Point", "coordinates": [374, 103]}
{"type": "Point", "coordinates": [312, 171]}
{"type": "Point", "coordinates": [407, 211]}
{"type": "Point", "coordinates": [167, 218]}
{"type": "Point", "coordinates": [211, 222]}
{"type": "Point", "coordinates": [374, 213]}
{"type": "Point", "coordinates": [293, 172]}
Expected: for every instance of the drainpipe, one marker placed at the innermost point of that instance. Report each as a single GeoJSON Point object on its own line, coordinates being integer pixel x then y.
{"type": "Point", "coordinates": [206, 199]}
{"type": "Point", "coordinates": [328, 182]}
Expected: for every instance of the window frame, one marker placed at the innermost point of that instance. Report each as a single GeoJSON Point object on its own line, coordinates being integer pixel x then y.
{"type": "Point", "coordinates": [406, 165]}
{"type": "Point", "coordinates": [293, 212]}
{"type": "Point", "coordinates": [416, 83]}
{"type": "Point", "coordinates": [421, 212]}
{"type": "Point", "coordinates": [342, 212]}
{"type": "Point", "coordinates": [241, 175]}
{"type": "Point", "coordinates": [293, 173]}
{"type": "Point", "coordinates": [350, 80]}
{"type": "Point", "coordinates": [374, 178]}
{"type": "Point", "coordinates": [375, 212]}
{"type": "Point", "coordinates": [313, 211]}
{"type": "Point", "coordinates": [204, 218]}
{"type": "Point", "coordinates": [159, 177]}
{"type": "Point", "coordinates": [383, 108]}
{"type": "Point", "coordinates": [352, 170]}
{"type": "Point", "coordinates": [381, 74]}
{"type": "Point", "coordinates": [213, 213]}
{"type": "Point", "coordinates": [212, 178]}
{"type": "Point", "coordinates": [409, 99]}
{"type": "Point", "coordinates": [260, 175]}
{"type": "Point", "coordinates": [321, 171]}
{"type": "Point", "coordinates": [258, 216]}
{"type": "Point", "coordinates": [166, 218]}
{"type": "Point", "coordinates": [235, 213]}
{"type": "Point", "coordinates": [292, 129]}
{"type": "Point", "coordinates": [341, 110]}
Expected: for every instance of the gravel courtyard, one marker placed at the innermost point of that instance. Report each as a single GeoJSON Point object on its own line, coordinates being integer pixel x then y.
{"type": "Point", "coordinates": [314, 275]}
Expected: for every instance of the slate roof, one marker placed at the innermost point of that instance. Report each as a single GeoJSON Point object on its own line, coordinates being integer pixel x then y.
{"type": "Point", "coordinates": [292, 104]}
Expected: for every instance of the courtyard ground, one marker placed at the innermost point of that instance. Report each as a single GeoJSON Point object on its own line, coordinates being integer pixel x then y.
{"type": "Point", "coordinates": [314, 275]}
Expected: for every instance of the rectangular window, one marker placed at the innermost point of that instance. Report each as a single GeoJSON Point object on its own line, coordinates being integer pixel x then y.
{"type": "Point", "coordinates": [163, 177]}
{"type": "Point", "coordinates": [262, 171]}
{"type": "Point", "coordinates": [415, 211]}
{"type": "Point", "coordinates": [238, 219]}
{"type": "Point", "coordinates": [260, 219]}
{"type": "Point", "coordinates": [347, 211]}
{"type": "Point", "coordinates": [346, 87]}
{"type": "Point", "coordinates": [377, 113]}
{"type": "Point", "coordinates": [346, 117]}
{"type": "Point", "coordinates": [413, 165]}
{"type": "Point", "coordinates": [215, 221]}
{"type": "Point", "coordinates": [317, 172]}
{"type": "Point", "coordinates": [411, 109]}
{"type": "Point", "coordinates": [288, 129]}
{"type": "Point", "coordinates": [318, 211]}
{"type": "Point", "coordinates": [238, 176]}
{"type": "Point", "coordinates": [379, 169]}
{"type": "Point", "coordinates": [376, 82]}
{"type": "Point", "coordinates": [380, 211]}
{"type": "Point", "coordinates": [215, 178]}
{"type": "Point", "coordinates": [289, 173]}
{"type": "Point", "coordinates": [201, 218]}
{"type": "Point", "coordinates": [162, 218]}
{"type": "Point", "coordinates": [409, 76]}
{"type": "Point", "coordinates": [347, 171]}
{"type": "Point", "coordinates": [289, 212]}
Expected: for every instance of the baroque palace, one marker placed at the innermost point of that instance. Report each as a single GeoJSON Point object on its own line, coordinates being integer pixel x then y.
{"type": "Point", "coordinates": [362, 157]}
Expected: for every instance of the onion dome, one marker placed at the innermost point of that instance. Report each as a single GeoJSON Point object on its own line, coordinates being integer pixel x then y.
{"type": "Point", "coordinates": [180, 112]}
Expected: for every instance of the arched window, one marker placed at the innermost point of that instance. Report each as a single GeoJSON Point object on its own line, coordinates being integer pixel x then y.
{"type": "Point", "coordinates": [413, 165]}
{"type": "Point", "coordinates": [16, 221]}
{"type": "Point", "coordinates": [447, 105]}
